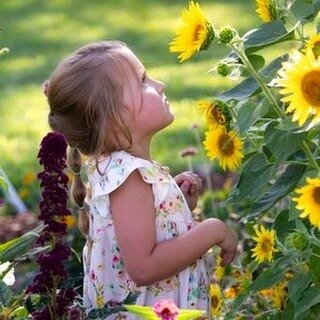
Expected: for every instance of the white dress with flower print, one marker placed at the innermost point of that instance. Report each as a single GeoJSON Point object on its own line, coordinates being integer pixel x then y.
{"type": "Point", "coordinates": [105, 277]}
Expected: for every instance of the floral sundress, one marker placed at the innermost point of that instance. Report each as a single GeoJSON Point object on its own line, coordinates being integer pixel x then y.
{"type": "Point", "coordinates": [105, 277]}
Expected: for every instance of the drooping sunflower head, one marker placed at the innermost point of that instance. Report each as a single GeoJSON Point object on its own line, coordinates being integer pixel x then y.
{"type": "Point", "coordinates": [309, 201]}
{"type": "Point", "coordinates": [313, 44]}
{"type": "Point", "coordinates": [278, 297]}
{"type": "Point", "coordinates": [195, 34]}
{"type": "Point", "coordinates": [266, 10]}
{"type": "Point", "coordinates": [225, 146]}
{"type": "Point", "coordinates": [300, 82]}
{"type": "Point", "coordinates": [215, 299]}
{"type": "Point", "coordinates": [212, 112]}
{"type": "Point", "coordinates": [265, 244]}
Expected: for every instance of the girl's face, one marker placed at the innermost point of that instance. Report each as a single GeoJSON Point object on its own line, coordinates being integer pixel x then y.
{"type": "Point", "coordinates": [145, 98]}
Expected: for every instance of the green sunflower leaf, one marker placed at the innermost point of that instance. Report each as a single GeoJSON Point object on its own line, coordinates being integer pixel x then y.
{"type": "Point", "coordinates": [267, 278]}
{"type": "Point", "coordinates": [283, 142]}
{"type": "Point", "coordinates": [282, 225]}
{"type": "Point", "coordinates": [253, 181]}
{"type": "Point", "coordinates": [5, 294]}
{"type": "Point", "coordinates": [303, 11]}
{"type": "Point", "coordinates": [257, 62]}
{"type": "Point", "coordinates": [249, 112]}
{"type": "Point", "coordinates": [314, 263]}
{"type": "Point", "coordinates": [267, 34]}
{"type": "Point", "coordinates": [308, 299]}
{"type": "Point", "coordinates": [298, 285]}
{"type": "Point", "coordinates": [286, 183]}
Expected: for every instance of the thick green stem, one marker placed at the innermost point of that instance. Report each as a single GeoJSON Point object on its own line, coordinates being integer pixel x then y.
{"type": "Point", "coordinates": [257, 77]}
{"type": "Point", "coordinates": [310, 156]}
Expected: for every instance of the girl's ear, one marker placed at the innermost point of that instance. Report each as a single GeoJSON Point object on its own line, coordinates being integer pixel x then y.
{"type": "Point", "coordinates": [45, 87]}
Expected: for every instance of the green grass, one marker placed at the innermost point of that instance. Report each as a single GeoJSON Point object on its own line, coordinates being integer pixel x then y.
{"type": "Point", "coordinates": [41, 32]}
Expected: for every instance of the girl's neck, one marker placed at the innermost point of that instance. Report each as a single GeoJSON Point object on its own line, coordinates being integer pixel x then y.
{"type": "Point", "coordinates": [141, 149]}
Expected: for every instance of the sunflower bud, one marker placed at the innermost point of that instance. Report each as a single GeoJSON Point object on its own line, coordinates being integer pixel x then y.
{"type": "Point", "coordinates": [223, 69]}
{"type": "Point", "coordinates": [226, 34]}
{"type": "Point", "coordinates": [297, 240]}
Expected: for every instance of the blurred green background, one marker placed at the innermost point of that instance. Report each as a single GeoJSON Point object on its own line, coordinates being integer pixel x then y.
{"type": "Point", "coordinates": [39, 33]}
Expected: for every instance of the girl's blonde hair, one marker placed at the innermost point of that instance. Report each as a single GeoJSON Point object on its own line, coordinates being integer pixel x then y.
{"type": "Point", "coordinates": [85, 95]}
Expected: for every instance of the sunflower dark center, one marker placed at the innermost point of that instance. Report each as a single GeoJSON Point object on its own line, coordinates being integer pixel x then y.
{"type": "Point", "coordinates": [266, 245]}
{"type": "Point", "coordinates": [316, 195]}
{"type": "Point", "coordinates": [196, 34]}
{"type": "Point", "coordinates": [310, 87]}
{"type": "Point", "coordinates": [226, 144]}
{"type": "Point", "coordinates": [214, 302]}
{"type": "Point", "coordinates": [217, 115]}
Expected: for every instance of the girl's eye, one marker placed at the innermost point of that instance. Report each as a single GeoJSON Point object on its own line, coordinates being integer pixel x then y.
{"type": "Point", "coordinates": [144, 80]}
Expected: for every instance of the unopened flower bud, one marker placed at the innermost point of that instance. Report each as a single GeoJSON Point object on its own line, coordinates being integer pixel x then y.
{"type": "Point", "coordinates": [223, 69]}
{"type": "Point", "coordinates": [226, 34]}
{"type": "Point", "coordinates": [297, 240]}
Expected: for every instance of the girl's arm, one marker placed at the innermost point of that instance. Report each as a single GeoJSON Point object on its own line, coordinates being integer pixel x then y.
{"type": "Point", "coordinates": [146, 261]}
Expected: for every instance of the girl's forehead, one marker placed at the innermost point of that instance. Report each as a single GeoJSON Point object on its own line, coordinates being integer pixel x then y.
{"type": "Point", "coordinates": [132, 62]}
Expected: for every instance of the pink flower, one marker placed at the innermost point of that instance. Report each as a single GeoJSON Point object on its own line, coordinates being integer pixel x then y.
{"type": "Point", "coordinates": [166, 310]}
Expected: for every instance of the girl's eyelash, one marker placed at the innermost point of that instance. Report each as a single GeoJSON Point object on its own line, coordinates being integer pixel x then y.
{"type": "Point", "coordinates": [143, 80]}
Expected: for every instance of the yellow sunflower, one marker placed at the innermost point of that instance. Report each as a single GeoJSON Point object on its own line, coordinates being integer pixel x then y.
{"type": "Point", "coordinates": [278, 296]}
{"type": "Point", "coordinates": [225, 146]}
{"type": "Point", "coordinates": [313, 44]}
{"type": "Point", "coordinates": [300, 79]}
{"type": "Point", "coordinates": [265, 244]}
{"type": "Point", "coordinates": [309, 201]}
{"type": "Point", "coordinates": [212, 113]}
{"type": "Point", "coordinates": [219, 271]}
{"type": "Point", "coordinates": [216, 299]}
{"type": "Point", "coordinates": [266, 10]}
{"type": "Point", "coordinates": [195, 34]}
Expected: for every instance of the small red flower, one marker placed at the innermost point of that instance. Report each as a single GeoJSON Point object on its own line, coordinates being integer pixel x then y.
{"type": "Point", "coordinates": [166, 310]}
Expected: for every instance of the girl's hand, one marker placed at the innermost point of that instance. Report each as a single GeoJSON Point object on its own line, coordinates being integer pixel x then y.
{"type": "Point", "coordinates": [191, 185]}
{"type": "Point", "coordinates": [229, 247]}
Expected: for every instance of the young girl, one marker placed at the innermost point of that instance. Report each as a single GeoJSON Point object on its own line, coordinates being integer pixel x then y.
{"type": "Point", "coordinates": [141, 236]}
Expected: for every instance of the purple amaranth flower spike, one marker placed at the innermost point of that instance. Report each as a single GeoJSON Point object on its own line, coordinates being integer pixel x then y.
{"type": "Point", "coordinates": [53, 182]}
{"type": "Point", "coordinates": [74, 314]}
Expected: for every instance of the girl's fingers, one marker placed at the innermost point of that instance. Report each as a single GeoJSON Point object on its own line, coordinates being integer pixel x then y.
{"type": "Point", "coordinates": [185, 186]}
{"type": "Point", "coordinates": [193, 190]}
{"type": "Point", "coordinates": [194, 180]}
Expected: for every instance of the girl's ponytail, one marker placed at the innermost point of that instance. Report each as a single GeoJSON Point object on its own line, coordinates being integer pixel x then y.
{"type": "Point", "coordinates": [78, 190]}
